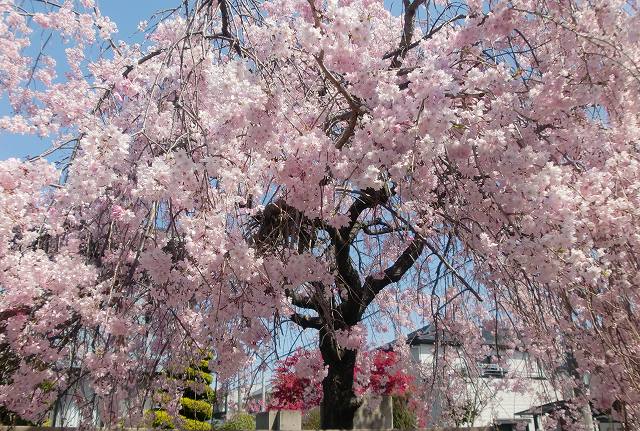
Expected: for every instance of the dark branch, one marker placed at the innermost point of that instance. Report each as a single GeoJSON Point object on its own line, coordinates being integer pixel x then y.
{"type": "Point", "coordinates": [352, 310]}
{"type": "Point", "coordinates": [13, 312]}
{"type": "Point", "coordinates": [395, 272]}
{"type": "Point", "coordinates": [299, 301]}
{"type": "Point", "coordinates": [456, 274]}
{"type": "Point", "coordinates": [348, 277]}
{"type": "Point", "coordinates": [403, 49]}
{"type": "Point", "coordinates": [142, 60]}
{"type": "Point", "coordinates": [307, 322]}
{"type": "Point", "coordinates": [436, 253]}
{"type": "Point", "coordinates": [385, 228]}
{"type": "Point", "coordinates": [348, 132]}
{"type": "Point", "coordinates": [226, 32]}
{"type": "Point", "coordinates": [410, 10]}
{"type": "Point", "coordinates": [368, 198]}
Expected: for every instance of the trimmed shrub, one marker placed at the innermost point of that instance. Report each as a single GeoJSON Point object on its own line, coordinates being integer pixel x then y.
{"type": "Point", "coordinates": [194, 425]}
{"type": "Point", "coordinates": [194, 390]}
{"type": "Point", "coordinates": [199, 375]}
{"type": "Point", "coordinates": [196, 404]}
{"type": "Point", "coordinates": [163, 420]}
{"type": "Point", "coordinates": [239, 422]}
{"type": "Point", "coordinates": [196, 409]}
{"type": "Point", "coordinates": [403, 418]}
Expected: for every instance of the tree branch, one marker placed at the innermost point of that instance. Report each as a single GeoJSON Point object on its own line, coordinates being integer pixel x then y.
{"type": "Point", "coordinates": [142, 60]}
{"type": "Point", "coordinates": [446, 263]}
{"type": "Point", "coordinates": [12, 312]}
{"type": "Point", "coordinates": [384, 229]}
{"type": "Point", "coordinates": [307, 322]}
{"type": "Point", "coordinates": [299, 301]}
{"type": "Point", "coordinates": [403, 49]}
{"type": "Point", "coordinates": [437, 253]}
{"type": "Point", "coordinates": [395, 272]}
{"type": "Point", "coordinates": [410, 10]}
{"type": "Point", "coordinates": [347, 275]}
{"type": "Point", "coordinates": [226, 19]}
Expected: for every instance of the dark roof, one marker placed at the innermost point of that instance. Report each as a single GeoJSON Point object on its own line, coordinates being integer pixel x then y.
{"type": "Point", "coordinates": [501, 338]}
{"type": "Point", "coordinates": [544, 408]}
{"type": "Point", "coordinates": [555, 406]}
{"type": "Point", "coordinates": [427, 335]}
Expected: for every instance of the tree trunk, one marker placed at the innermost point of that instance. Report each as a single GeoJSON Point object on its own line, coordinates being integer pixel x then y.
{"type": "Point", "coordinates": [339, 402]}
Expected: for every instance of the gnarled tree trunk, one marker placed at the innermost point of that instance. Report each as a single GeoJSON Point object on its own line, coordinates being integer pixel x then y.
{"type": "Point", "coordinates": [352, 294]}
{"type": "Point", "coordinates": [339, 401]}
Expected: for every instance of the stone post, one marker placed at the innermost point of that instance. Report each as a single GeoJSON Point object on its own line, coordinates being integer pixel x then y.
{"type": "Point", "coordinates": [279, 420]}
{"type": "Point", "coordinates": [373, 415]}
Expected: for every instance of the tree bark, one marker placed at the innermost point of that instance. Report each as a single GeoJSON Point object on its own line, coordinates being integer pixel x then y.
{"type": "Point", "coordinates": [332, 314]}
{"type": "Point", "coordinates": [339, 401]}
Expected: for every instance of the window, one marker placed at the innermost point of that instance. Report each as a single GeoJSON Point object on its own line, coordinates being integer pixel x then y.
{"type": "Point", "coordinates": [534, 368]}
{"type": "Point", "coordinates": [490, 369]}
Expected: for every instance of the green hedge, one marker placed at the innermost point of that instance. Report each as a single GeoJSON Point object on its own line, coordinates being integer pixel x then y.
{"type": "Point", "coordinates": [198, 375]}
{"type": "Point", "coordinates": [196, 404]}
{"type": "Point", "coordinates": [403, 418]}
{"type": "Point", "coordinates": [239, 422]}
{"type": "Point", "coordinates": [194, 425]}
{"type": "Point", "coordinates": [196, 409]}
{"type": "Point", "coordinates": [194, 390]}
{"type": "Point", "coordinates": [163, 420]}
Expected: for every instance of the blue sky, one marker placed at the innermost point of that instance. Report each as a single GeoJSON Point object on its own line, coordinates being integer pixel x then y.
{"type": "Point", "coordinates": [126, 14]}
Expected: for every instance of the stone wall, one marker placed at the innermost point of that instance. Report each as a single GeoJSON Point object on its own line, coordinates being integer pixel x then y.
{"type": "Point", "coordinates": [375, 415]}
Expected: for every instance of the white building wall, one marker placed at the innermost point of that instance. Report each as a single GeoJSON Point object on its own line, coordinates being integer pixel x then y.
{"type": "Point", "coordinates": [69, 409]}
{"type": "Point", "coordinates": [66, 411]}
{"type": "Point", "coordinates": [523, 387]}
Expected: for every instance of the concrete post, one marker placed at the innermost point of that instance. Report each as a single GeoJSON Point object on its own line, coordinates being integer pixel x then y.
{"type": "Point", "coordinates": [378, 417]}
{"type": "Point", "coordinates": [266, 420]}
{"type": "Point", "coordinates": [279, 420]}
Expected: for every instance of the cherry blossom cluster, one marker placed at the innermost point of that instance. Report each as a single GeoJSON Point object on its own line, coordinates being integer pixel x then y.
{"type": "Point", "coordinates": [318, 164]}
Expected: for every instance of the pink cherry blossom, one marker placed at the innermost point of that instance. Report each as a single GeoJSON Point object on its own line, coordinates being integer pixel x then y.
{"type": "Point", "coordinates": [331, 167]}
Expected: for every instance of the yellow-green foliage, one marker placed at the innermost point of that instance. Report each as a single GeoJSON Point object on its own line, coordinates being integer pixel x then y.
{"type": "Point", "coordinates": [163, 420]}
{"type": "Point", "coordinates": [196, 404]}
{"type": "Point", "coordinates": [199, 375]}
{"type": "Point", "coordinates": [199, 390]}
{"type": "Point", "coordinates": [194, 425]}
{"type": "Point", "coordinates": [197, 409]}
{"type": "Point", "coordinates": [239, 422]}
{"type": "Point", "coordinates": [403, 418]}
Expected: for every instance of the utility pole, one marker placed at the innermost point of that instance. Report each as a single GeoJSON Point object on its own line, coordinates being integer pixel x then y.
{"type": "Point", "coordinates": [264, 394]}
{"type": "Point", "coordinates": [239, 394]}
